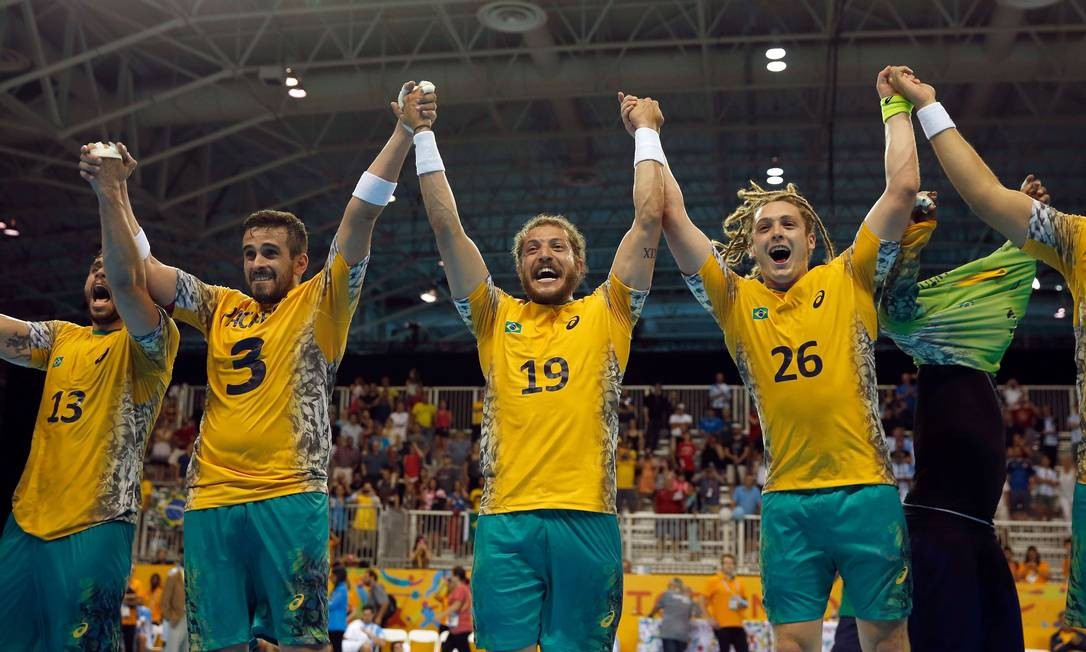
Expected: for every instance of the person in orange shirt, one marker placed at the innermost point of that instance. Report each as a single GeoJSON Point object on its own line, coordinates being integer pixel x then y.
{"type": "Point", "coordinates": [154, 598]}
{"type": "Point", "coordinates": [1033, 569]}
{"type": "Point", "coordinates": [727, 602]}
{"type": "Point", "coordinates": [646, 483]}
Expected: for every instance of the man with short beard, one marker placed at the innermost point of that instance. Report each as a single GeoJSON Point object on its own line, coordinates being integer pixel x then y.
{"type": "Point", "coordinates": [547, 537]}
{"type": "Point", "coordinates": [256, 525]}
{"type": "Point", "coordinates": [67, 545]}
{"type": "Point", "coordinates": [803, 340]}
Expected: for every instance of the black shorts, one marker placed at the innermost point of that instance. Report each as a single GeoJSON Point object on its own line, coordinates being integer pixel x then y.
{"type": "Point", "coordinates": [964, 598]}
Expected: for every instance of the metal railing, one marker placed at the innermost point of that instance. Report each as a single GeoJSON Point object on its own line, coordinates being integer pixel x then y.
{"type": "Point", "coordinates": [652, 543]}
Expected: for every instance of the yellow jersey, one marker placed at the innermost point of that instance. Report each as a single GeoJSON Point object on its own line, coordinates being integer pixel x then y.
{"type": "Point", "coordinates": [626, 465]}
{"type": "Point", "coordinates": [103, 391]}
{"type": "Point", "coordinates": [550, 415]}
{"type": "Point", "coordinates": [807, 357]}
{"type": "Point", "coordinates": [270, 372]}
{"type": "Point", "coordinates": [1059, 239]}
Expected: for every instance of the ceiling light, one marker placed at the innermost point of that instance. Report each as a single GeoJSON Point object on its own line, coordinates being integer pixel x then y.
{"type": "Point", "coordinates": [775, 181]}
{"type": "Point", "coordinates": [774, 172]}
{"type": "Point", "coordinates": [775, 54]}
{"type": "Point", "coordinates": [511, 16]}
{"type": "Point", "coordinates": [1061, 313]}
{"type": "Point", "coordinates": [291, 80]}
{"type": "Point", "coordinates": [1059, 288]}
{"type": "Point", "coordinates": [11, 230]}
{"type": "Point", "coordinates": [1036, 284]}
{"type": "Point", "coordinates": [429, 296]}
{"type": "Point", "coordinates": [297, 92]}
{"type": "Point", "coordinates": [776, 66]}
{"type": "Point", "coordinates": [3, 226]}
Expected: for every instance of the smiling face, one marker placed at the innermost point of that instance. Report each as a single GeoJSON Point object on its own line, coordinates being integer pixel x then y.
{"type": "Point", "coordinates": [269, 268]}
{"type": "Point", "coordinates": [548, 269]}
{"type": "Point", "coordinates": [99, 297]}
{"type": "Point", "coordinates": [781, 244]}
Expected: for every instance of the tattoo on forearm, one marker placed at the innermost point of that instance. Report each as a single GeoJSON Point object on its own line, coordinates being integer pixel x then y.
{"type": "Point", "coordinates": [18, 344]}
{"type": "Point", "coordinates": [649, 252]}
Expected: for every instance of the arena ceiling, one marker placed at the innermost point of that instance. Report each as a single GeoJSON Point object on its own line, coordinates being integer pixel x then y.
{"type": "Point", "coordinates": [528, 123]}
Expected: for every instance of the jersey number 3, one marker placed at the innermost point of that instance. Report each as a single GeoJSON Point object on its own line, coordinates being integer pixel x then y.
{"type": "Point", "coordinates": [250, 347]}
{"type": "Point", "coordinates": [808, 365]}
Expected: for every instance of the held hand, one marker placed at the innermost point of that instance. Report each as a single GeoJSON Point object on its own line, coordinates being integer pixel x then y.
{"type": "Point", "coordinates": [1035, 188]}
{"type": "Point", "coordinates": [882, 83]}
{"type": "Point", "coordinates": [626, 103]}
{"type": "Point", "coordinates": [130, 163]}
{"type": "Point", "coordinates": [102, 173]}
{"type": "Point", "coordinates": [647, 114]}
{"type": "Point", "coordinates": [909, 86]}
{"type": "Point", "coordinates": [926, 203]}
{"type": "Point", "coordinates": [419, 109]}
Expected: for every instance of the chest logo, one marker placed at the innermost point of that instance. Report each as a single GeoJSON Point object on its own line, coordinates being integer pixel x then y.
{"type": "Point", "coordinates": [571, 324]}
{"type": "Point", "coordinates": [819, 298]}
{"type": "Point", "coordinates": [59, 360]}
{"type": "Point", "coordinates": [761, 312]}
{"type": "Point", "coordinates": [102, 357]}
{"type": "Point", "coordinates": [513, 327]}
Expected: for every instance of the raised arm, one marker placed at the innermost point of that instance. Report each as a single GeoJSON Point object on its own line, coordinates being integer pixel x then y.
{"type": "Point", "coordinates": [376, 186]}
{"type": "Point", "coordinates": [1005, 210]}
{"type": "Point", "coordinates": [160, 279]}
{"type": "Point", "coordinates": [636, 256]}
{"type": "Point", "coordinates": [14, 341]}
{"type": "Point", "coordinates": [889, 216]}
{"type": "Point", "coordinates": [120, 256]}
{"type": "Point", "coordinates": [464, 265]}
{"type": "Point", "coordinates": [689, 246]}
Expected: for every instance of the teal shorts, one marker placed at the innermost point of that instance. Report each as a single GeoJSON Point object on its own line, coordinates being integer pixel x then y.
{"type": "Point", "coordinates": [258, 569]}
{"type": "Point", "coordinates": [1075, 614]}
{"type": "Point", "coordinates": [63, 594]}
{"type": "Point", "coordinates": [549, 576]}
{"type": "Point", "coordinates": [808, 537]}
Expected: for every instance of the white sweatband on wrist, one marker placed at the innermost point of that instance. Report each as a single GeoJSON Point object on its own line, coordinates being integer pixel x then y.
{"type": "Point", "coordinates": [372, 189]}
{"type": "Point", "coordinates": [934, 119]}
{"type": "Point", "coordinates": [647, 146]}
{"type": "Point", "coordinates": [427, 158]}
{"type": "Point", "coordinates": [143, 247]}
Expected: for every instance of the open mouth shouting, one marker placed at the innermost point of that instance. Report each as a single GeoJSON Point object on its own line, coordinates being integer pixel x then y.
{"type": "Point", "coordinates": [780, 254]}
{"type": "Point", "coordinates": [262, 275]}
{"type": "Point", "coordinates": [101, 297]}
{"type": "Point", "coordinates": [546, 275]}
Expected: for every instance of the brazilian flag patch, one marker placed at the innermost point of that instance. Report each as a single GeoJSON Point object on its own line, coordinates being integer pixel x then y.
{"type": "Point", "coordinates": [761, 312]}
{"type": "Point", "coordinates": [513, 327]}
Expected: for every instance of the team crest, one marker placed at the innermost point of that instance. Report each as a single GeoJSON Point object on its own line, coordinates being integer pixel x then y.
{"type": "Point", "coordinates": [58, 361]}
{"type": "Point", "coordinates": [513, 327]}
{"type": "Point", "coordinates": [761, 312]}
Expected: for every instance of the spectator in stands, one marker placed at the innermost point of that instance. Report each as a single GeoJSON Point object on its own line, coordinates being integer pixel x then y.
{"type": "Point", "coordinates": [443, 420]}
{"type": "Point", "coordinates": [634, 435]}
{"type": "Point", "coordinates": [626, 411]}
{"type": "Point", "coordinates": [657, 410]}
{"type": "Point", "coordinates": [352, 428]}
{"type": "Point", "coordinates": [720, 396]}
{"type": "Point", "coordinates": [906, 390]}
{"type": "Point", "coordinates": [412, 463]}
{"type": "Point", "coordinates": [475, 469]}
{"type": "Point", "coordinates": [423, 413]}
{"type": "Point", "coordinates": [680, 422]}
{"type": "Point", "coordinates": [904, 470]}
{"type": "Point", "coordinates": [428, 497]}
{"type": "Point", "coordinates": [1012, 393]}
{"type": "Point", "coordinates": [448, 474]}
{"type": "Point", "coordinates": [670, 499]}
{"type": "Point", "coordinates": [179, 462]}
{"type": "Point", "coordinates": [477, 419]}
{"type": "Point", "coordinates": [368, 425]}
{"type": "Point", "coordinates": [1033, 569]}
{"type": "Point", "coordinates": [333, 422]}
{"type": "Point", "coordinates": [372, 461]}
{"type": "Point", "coordinates": [186, 434]}
{"type": "Point", "coordinates": [1019, 477]}
{"type": "Point", "coordinates": [708, 482]}
{"type": "Point", "coordinates": [1046, 485]}
{"type": "Point", "coordinates": [736, 454]}
{"type": "Point", "coordinates": [748, 496]}
{"type": "Point", "coordinates": [154, 598]}
{"type": "Point", "coordinates": [159, 456]}
{"type": "Point", "coordinates": [1066, 477]}
{"type": "Point", "coordinates": [712, 455]}
{"type": "Point", "coordinates": [345, 458]}
{"type": "Point", "coordinates": [711, 425]}
{"type": "Point", "coordinates": [364, 634]}
{"type": "Point", "coordinates": [358, 388]}
{"type": "Point", "coordinates": [754, 435]}
{"type": "Point", "coordinates": [459, 447]}
{"type": "Point", "coordinates": [399, 419]}
{"type": "Point", "coordinates": [646, 481]}
{"type": "Point", "coordinates": [899, 440]}
{"type": "Point", "coordinates": [727, 602]}
{"type": "Point", "coordinates": [389, 485]}
{"type": "Point", "coordinates": [337, 509]}
{"type": "Point", "coordinates": [337, 608]}
{"type": "Point", "coordinates": [1074, 426]}
{"type": "Point", "coordinates": [457, 616]}
{"type": "Point", "coordinates": [625, 470]}
{"type": "Point", "coordinates": [356, 482]}
{"type": "Point", "coordinates": [175, 631]}
{"type": "Point", "coordinates": [420, 554]}
{"type": "Point", "coordinates": [382, 408]}
{"type": "Point", "coordinates": [1024, 418]}
{"type": "Point", "coordinates": [678, 610]}
{"type": "Point", "coordinates": [1012, 563]}
{"type": "Point", "coordinates": [377, 597]}
{"type": "Point", "coordinates": [685, 454]}
{"type": "Point", "coordinates": [413, 386]}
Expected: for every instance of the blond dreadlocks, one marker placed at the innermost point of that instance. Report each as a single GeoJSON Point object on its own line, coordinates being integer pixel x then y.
{"type": "Point", "coordinates": [738, 226]}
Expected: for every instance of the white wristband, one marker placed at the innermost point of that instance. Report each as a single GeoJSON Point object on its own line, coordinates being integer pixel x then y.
{"type": "Point", "coordinates": [427, 158]}
{"type": "Point", "coordinates": [143, 247]}
{"type": "Point", "coordinates": [372, 189]}
{"type": "Point", "coordinates": [647, 146]}
{"type": "Point", "coordinates": [934, 119]}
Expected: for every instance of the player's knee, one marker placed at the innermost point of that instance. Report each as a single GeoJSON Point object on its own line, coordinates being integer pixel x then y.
{"type": "Point", "coordinates": [885, 636]}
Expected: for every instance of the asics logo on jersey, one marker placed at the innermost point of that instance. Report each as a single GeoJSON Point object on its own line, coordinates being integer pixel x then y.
{"type": "Point", "coordinates": [761, 312]}
{"type": "Point", "coordinates": [102, 357]}
{"type": "Point", "coordinates": [79, 631]}
{"type": "Point", "coordinates": [980, 277]}
{"type": "Point", "coordinates": [58, 361]}
{"type": "Point", "coordinates": [902, 576]}
{"type": "Point", "coordinates": [573, 323]}
{"type": "Point", "coordinates": [608, 619]}
{"type": "Point", "coordinates": [819, 298]}
{"type": "Point", "coordinates": [296, 602]}
{"type": "Point", "coordinates": [238, 318]}
{"type": "Point", "coordinates": [513, 327]}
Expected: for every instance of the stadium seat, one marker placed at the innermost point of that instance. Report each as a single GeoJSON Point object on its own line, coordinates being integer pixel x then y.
{"type": "Point", "coordinates": [423, 640]}
{"type": "Point", "coordinates": [395, 635]}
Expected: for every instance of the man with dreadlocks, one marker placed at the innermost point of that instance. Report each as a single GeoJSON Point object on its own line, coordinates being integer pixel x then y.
{"type": "Point", "coordinates": [803, 340]}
